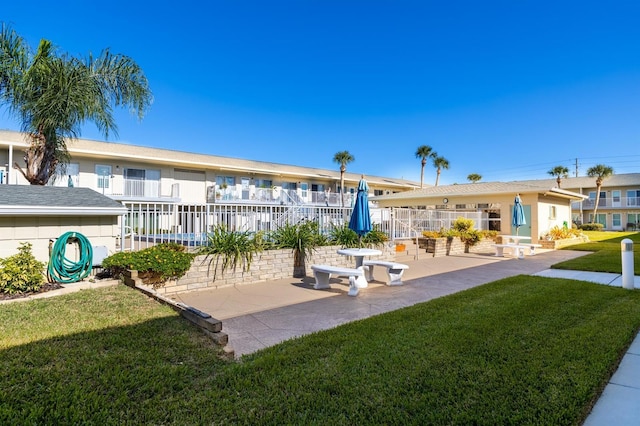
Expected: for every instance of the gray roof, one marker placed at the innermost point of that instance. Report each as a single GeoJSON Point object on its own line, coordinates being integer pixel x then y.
{"type": "Point", "coordinates": [53, 201]}
{"type": "Point", "coordinates": [480, 188]}
{"type": "Point", "coordinates": [576, 183]}
{"type": "Point", "coordinates": [568, 185]}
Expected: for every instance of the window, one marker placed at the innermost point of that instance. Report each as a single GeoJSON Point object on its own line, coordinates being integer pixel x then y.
{"type": "Point", "coordinates": [65, 176]}
{"type": "Point", "coordinates": [600, 218]}
{"type": "Point", "coordinates": [632, 197]}
{"type": "Point", "coordinates": [616, 220]}
{"type": "Point", "coordinates": [225, 181]}
{"type": "Point", "coordinates": [378, 192]}
{"type": "Point", "coordinates": [615, 197]}
{"type": "Point", "coordinates": [141, 182]}
{"type": "Point", "coordinates": [552, 212]}
{"type": "Point", "coordinates": [263, 183]}
{"type": "Point", "coordinates": [601, 202]}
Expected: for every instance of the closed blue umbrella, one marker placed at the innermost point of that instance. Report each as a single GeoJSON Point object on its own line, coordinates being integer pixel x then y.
{"type": "Point", "coordinates": [518, 219]}
{"type": "Point", "coordinates": [360, 221]}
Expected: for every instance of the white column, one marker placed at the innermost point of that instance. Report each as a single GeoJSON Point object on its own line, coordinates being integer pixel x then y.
{"type": "Point", "coordinates": [10, 166]}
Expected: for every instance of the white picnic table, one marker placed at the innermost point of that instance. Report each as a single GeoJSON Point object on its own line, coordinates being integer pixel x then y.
{"type": "Point", "coordinates": [359, 254]}
{"type": "Point", "coordinates": [515, 238]}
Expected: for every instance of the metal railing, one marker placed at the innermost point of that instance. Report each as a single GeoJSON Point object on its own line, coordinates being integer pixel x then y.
{"type": "Point", "coordinates": [607, 202]}
{"type": "Point", "coordinates": [146, 224]}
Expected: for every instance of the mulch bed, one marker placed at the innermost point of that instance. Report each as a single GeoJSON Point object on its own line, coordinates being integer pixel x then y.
{"type": "Point", "coordinates": [46, 287]}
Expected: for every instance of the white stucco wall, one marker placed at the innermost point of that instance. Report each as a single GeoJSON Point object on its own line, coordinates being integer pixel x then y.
{"type": "Point", "coordinates": [99, 230]}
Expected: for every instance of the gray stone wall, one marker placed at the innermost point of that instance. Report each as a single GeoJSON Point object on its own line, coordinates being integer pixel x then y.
{"type": "Point", "coordinates": [266, 266]}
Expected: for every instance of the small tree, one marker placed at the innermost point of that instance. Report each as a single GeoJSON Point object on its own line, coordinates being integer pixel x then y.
{"type": "Point", "coordinates": [423, 152]}
{"type": "Point", "coordinates": [439, 163]}
{"type": "Point", "coordinates": [53, 95]}
{"type": "Point", "coordinates": [474, 177]}
{"type": "Point", "coordinates": [560, 172]}
{"type": "Point", "coordinates": [343, 158]}
{"type": "Point", "coordinates": [600, 172]}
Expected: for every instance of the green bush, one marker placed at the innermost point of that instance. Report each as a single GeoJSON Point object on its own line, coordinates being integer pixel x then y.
{"type": "Point", "coordinates": [229, 249]}
{"type": "Point", "coordinates": [343, 236]}
{"type": "Point", "coordinates": [375, 237]}
{"type": "Point", "coordinates": [462, 225]}
{"type": "Point", "coordinates": [591, 227]}
{"type": "Point", "coordinates": [21, 273]}
{"type": "Point", "coordinates": [303, 238]}
{"type": "Point", "coordinates": [161, 262]}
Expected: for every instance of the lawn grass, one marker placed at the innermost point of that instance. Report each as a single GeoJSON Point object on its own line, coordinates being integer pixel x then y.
{"type": "Point", "coordinates": [606, 256]}
{"type": "Point", "coordinates": [523, 350]}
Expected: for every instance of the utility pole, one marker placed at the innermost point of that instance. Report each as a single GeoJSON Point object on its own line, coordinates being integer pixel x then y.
{"type": "Point", "coordinates": [576, 167]}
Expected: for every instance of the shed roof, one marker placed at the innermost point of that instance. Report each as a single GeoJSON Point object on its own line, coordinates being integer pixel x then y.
{"type": "Point", "coordinates": [30, 200]}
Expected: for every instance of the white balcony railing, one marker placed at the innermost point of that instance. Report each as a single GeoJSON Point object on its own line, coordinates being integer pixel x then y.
{"type": "Point", "coordinates": [608, 203]}
{"type": "Point", "coordinates": [141, 188]}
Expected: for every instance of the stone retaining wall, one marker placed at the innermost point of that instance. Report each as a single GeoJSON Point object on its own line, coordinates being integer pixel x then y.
{"type": "Point", "coordinates": [267, 265]}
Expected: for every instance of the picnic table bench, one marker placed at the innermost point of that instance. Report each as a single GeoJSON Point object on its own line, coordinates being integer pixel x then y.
{"type": "Point", "coordinates": [518, 249]}
{"type": "Point", "coordinates": [322, 274]}
{"type": "Point", "coordinates": [394, 270]}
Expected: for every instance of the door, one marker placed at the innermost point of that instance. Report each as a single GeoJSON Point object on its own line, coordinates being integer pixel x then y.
{"type": "Point", "coordinates": [616, 198]}
{"type": "Point", "coordinates": [524, 230]}
{"type": "Point", "coordinates": [244, 183]}
{"type": "Point", "coordinates": [103, 173]}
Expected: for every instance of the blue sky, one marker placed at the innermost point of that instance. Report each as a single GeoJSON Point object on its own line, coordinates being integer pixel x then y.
{"type": "Point", "coordinates": [506, 89]}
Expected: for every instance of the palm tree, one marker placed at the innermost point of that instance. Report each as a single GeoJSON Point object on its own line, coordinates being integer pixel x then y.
{"type": "Point", "coordinates": [343, 158]}
{"type": "Point", "coordinates": [600, 172]}
{"type": "Point", "coordinates": [53, 95]}
{"type": "Point", "coordinates": [474, 177]}
{"type": "Point", "coordinates": [561, 172]}
{"type": "Point", "coordinates": [423, 152]}
{"type": "Point", "coordinates": [439, 163]}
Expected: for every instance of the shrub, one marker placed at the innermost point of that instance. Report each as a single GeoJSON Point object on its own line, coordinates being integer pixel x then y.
{"type": "Point", "coordinates": [21, 273]}
{"type": "Point", "coordinates": [343, 236]}
{"type": "Point", "coordinates": [462, 224]}
{"type": "Point", "coordinates": [155, 264]}
{"type": "Point", "coordinates": [558, 233]}
{"type": "Point", "coordinates": [229, 249]}
{"type": "Point", "coordinates": [303, 238]}
{"type": "Point", "coordinates": [591, 227]}
{"type": "Point", "coordinates": [375, 237]}
{"type": "Point", "coordinates": [432, 234]}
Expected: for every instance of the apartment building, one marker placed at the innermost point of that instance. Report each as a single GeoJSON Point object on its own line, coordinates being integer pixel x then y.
{"type": "Point", "coordinates": [137, 173]}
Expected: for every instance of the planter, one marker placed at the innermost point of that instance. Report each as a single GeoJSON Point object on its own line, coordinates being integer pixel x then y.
{"type": "Point", "coordinates": [452, 246]}
{"type": "Point", "coordinates": [555, 244]}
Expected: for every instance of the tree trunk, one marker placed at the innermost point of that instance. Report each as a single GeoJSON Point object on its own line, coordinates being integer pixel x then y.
{"type": "Point", "coordinates": [299, 266]}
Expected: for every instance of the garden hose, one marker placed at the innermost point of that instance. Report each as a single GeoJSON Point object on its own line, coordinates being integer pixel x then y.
{"type": "Point", "coordinates": [63, 270]}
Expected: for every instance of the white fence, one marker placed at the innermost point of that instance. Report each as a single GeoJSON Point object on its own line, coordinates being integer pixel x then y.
{"type": "Point", "coordinates": [146, 224]}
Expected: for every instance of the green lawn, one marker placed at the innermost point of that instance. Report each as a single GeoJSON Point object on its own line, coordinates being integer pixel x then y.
{"type": "Point", "coordinates": [524, 350]}
{"type": "Point", "coordinates": [606, 256]}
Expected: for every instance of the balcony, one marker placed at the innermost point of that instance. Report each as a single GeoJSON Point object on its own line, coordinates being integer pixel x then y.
{"type": "Point", "coordinates": [236, 194]}
{"type": "Point", "coordinates": [628, 202]}
{"type": "Point", "coordinates": [138, 188]}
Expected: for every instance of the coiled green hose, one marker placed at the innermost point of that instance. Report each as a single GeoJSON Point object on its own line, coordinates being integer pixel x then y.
{"type": "Point", "coordinates": [63, 270]}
